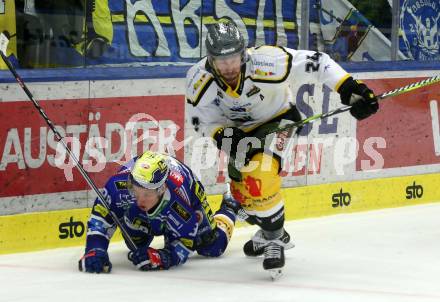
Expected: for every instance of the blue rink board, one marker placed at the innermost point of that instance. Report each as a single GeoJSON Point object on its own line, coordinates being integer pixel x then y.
{"type": "Point", "coordinates": [154, 72]}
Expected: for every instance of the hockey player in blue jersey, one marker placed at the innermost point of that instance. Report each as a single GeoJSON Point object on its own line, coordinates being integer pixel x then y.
{"type": "Point", "coordinates": [156, 195]}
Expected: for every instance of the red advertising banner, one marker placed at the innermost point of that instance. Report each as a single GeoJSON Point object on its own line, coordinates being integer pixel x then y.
{"type": "Point", "coordinates": [104, 132]}
{"type": "Point", "coordinates": [405, 130]}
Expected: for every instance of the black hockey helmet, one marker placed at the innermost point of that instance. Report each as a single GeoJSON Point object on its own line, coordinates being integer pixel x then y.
{"type": "Point", "coordinates": [223, 40]}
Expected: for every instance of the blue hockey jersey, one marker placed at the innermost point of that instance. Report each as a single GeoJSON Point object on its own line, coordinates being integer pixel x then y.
{"type": "Point", "coordinates": [186, 221]}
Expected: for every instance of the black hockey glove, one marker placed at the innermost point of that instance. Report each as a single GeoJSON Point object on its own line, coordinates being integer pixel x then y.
{"type": "Point", "coordinates": [360, 97]}
{"type": "Point", "coordinates": [149, 259]}
{"type": "Point", "coordinates": [95, 261]}
{"type": "Point", "coordinates": [222, 138]}
{"type": "Point", "coordinates": [224, 135]}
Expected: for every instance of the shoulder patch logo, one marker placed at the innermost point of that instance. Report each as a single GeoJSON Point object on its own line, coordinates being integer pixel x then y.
{"type": "Point", "coordinates": [176, 178]}
{"type": "Point", "coordinates": [199, 82]}
{"type": "Point", "coordinates": [263, 73]}
{"type": "Point", "coordinates": [420, 23]}
{"type": "Point", "coordinates": [121, 184]}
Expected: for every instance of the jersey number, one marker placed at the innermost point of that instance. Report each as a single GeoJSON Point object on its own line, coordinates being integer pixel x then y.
{"type": "Point", "coordinates": [313, 65]}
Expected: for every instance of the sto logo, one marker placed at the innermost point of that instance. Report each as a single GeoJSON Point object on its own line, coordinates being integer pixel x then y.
{"type": "Point", "coordinates": [253, 186]}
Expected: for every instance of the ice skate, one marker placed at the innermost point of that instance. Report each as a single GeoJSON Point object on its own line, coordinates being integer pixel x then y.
{"type": "Point", "coordinates": [274, 259]}
{"type": "Point", "coordinates": [255, 246]}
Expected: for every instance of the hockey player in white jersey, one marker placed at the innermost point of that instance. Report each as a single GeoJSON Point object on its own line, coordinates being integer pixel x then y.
{"type": "Point", "coordinates": [237, 92]}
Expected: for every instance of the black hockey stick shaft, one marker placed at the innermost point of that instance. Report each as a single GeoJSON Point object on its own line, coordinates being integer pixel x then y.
{"type": "Point", "coordinates": [58, 136]}
{"type": "Point", "coordinates": [385, 95]}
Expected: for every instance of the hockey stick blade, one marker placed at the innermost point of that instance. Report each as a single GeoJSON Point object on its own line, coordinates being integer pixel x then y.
{"type": "Point", "coordinates": [385, 95]}
{"type": "Point", "coordinates": [4, 41]}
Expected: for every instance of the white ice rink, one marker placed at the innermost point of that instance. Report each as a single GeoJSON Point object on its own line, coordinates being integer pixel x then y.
{"type": "Point", "coordinates": [388, 255]}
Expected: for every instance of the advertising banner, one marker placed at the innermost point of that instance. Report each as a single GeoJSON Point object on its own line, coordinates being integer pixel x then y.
{"type": "Point", "coordinates": [104, 133]}
{"type": "Point", "coordinates": [405, 131]}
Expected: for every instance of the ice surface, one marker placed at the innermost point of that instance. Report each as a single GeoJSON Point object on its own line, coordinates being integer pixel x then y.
{"type": "Point", "coordinates": [387, 255]}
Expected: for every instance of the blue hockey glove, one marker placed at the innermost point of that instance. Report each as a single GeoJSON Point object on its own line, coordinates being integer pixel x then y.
{"type": "Point", "coordinates": [95, 261]}
{"type": "Point", "coordinates": [364, 102]}
{"type": "Point", "coordinates": [149, 259]}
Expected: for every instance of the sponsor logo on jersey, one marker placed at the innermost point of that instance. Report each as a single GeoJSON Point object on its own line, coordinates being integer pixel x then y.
{"type": "Point", "coordinates": [121, 184]}
{"type": "Point", "coordinates": [263, 73]}
{"type": "Point", "coordinates": [137, 224]}
{"type": "Point", "coordinates": [174, 220]}
{"type": "Point", "coordinates": [254, 90]}
{"type": "Point", "coordinates": [199, 82]}
{"type": "Point", "coordinates": [187, 242]}
{"type": "Point", "coordinates": [99, 208]}
{"type": "Point", "coordinates": [176, 178]}
{"type": "Point", "coordinates": [125, 201]}
{"type": "Point", "coordinates": [181, 211]}
{"type": "Point", "coordinates": [237, 194]}
{"type": "Point", "coordinates": [253, 186]}
{"type": "Point", "coordinates": [420, 24]}
{"type": "Point", "coordinates": [262, 63]}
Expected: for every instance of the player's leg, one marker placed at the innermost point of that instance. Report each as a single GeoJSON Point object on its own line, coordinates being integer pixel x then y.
{"type": "Point", "coordinates": [215, 243]}
{"type": "Point", "coordinates": [259, 195]}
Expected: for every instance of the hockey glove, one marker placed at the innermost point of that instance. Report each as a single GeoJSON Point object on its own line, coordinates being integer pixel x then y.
{"type": "Point", "coordinates": [232, 133]}
{"type": "Point", "coordinates": [149, 259]}
{"type": "Point", "coordinates": [360, 97]}
{"type": "Point", "coordinates": [95, 261]}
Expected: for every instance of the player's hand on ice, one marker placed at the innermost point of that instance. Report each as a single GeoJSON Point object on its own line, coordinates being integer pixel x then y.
{"type": "Point", "coordinates": [360, 97]}
{"type": "Point", "coordinates": [149, 259]}
{"type": "Point", "coordinates": [95, 261]}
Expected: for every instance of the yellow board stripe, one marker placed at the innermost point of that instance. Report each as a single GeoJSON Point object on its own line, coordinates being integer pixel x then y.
{"type": "Point", "coordinates": [166, 20]}
{"type": "Point", "coordinates": [44, 230]}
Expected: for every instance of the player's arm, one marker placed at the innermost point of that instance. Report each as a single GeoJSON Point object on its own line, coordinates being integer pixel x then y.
{"type": "Point", "coordinates": [322, 68]}
{"type": "Point", "coordinates": [179, 242]}
{"type": "Point", "coordinates": [100, 229]}
{"type": "Point", "coordinates": [202, 110]}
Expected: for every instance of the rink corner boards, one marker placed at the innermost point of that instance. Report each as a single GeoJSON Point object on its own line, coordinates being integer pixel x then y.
{"type": "Point", "coordinates": [55, 229]}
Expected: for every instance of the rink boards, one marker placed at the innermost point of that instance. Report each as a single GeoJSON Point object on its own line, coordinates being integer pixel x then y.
{"type": "Point", "coordinates": [44, 230]}
{"type": "Point", "coordinates": [337, 166]}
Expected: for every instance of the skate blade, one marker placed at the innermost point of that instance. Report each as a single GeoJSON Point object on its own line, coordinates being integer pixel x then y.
{"type": "Point", "coordinates": [289, 245]}
{"type": "Point", "coordinates": [275, 273]}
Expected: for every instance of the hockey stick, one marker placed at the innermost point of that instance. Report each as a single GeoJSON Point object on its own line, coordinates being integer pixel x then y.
{"type": "Point", "coordinates": [385, 95]}
{"type": "Point", "coordinates": [3, 45]}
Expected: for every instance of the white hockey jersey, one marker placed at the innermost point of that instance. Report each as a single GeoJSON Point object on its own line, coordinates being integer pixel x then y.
{"type": "Point", "coordinates": [263, 91]}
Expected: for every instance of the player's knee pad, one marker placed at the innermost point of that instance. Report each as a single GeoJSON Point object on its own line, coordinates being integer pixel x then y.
{"type": "Point", "coordinates": [259, 190]}
{"type": "Point", "coordinates": [224, 224]}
